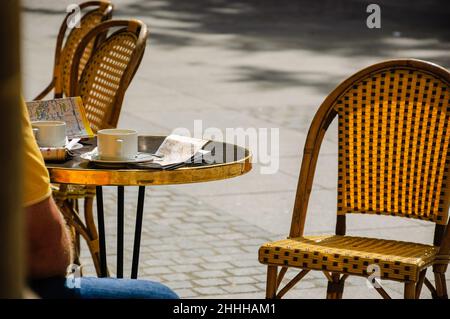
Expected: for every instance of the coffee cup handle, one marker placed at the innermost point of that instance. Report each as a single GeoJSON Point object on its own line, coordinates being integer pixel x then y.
{"type": "Point", "coordinates": [119, 147]}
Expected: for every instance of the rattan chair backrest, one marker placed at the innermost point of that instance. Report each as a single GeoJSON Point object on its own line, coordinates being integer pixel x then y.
{"type": "Point", "coordinates": [393, 144]}
{"type": "Point", "coordinates": [109, 70]}
{"type": "Point", "coordinates": [95, 12]}
{"type": "Point", "coordinates": [393, 128]}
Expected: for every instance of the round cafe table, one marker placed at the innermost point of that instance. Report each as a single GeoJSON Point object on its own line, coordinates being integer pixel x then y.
{"type": "Point", "coordinates": [229, 161]}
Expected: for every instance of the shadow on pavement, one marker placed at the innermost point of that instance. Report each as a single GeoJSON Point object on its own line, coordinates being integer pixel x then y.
{"type": "Point", "coordinates": [334, 27]}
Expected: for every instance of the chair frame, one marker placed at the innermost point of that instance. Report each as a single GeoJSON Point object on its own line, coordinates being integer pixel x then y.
{"type": "Point", "coordinates": [56, 83]}
{"type": "Point", "coordinates": [69, 207]}
{"type": "Point", "coordinates": [322, 119]}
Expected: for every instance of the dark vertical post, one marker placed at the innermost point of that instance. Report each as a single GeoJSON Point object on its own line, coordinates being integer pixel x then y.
{"type": "Point", "coordinates": [101, 232]}
{"type": "Point", "coordinates": [137, 232]}
{"type": "Point", "coordinates": [120, 229]}
{"type": "Point", "coordinates": [11, 216]}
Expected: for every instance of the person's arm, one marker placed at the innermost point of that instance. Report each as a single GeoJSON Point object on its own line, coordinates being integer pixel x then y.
{"type": "Point", "coordinates": [49, 250]}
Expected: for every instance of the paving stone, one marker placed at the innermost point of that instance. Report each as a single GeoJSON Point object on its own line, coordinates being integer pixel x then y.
{"type": "Point", "coordinates": [210, 282]}
{"type": "Point", "coordinates": [209, 274]}
{"type": "Point", "coordinates": [175, 276]}
{"type": "Point", "coordinates": [185, 268]}
{"type": "Point", "coordinates": [157, 270]}
{"type": "Point", "coordinates": [216, 266]}
{"type": "Point", "coordinates": [199, 252]}
{"type": "Point", "coordinates": [229, 250]}
{"type": "Point", "coordinates": [188, 245]}
{"type": "Point", "coordinates": [233, 236]}
{"type": "Point", "coordinates": [176, 255]}
{"type": "Point", "coordinates": [204, 213]}
{"type": "Point", "coordinates": [186, 225]}
{"type": "Point", "coordinates": [219, 258]}
{"type": "Point", "coordinates": [253, 249]}
{"type": "Point", "coordinates": [261, 286]}
{"type": "Point", "coordinates": [217, 231]}
{"type": "Point", "coordinates": [246, 263]}
{"type": "Point", "coordinates": [164, 248]}
{"type": "Point", "coordinates": [215, 224]}
{"type": "Point", "coordinates": [242, 280]}
{"type": "Point", "coordinates": [208, 291]}
{"type": "Point", "coordinates": [179, 284]}
{"type": "Point", "coordinates": [189, 260]}
{"type": "Point", "coordinates": [225, 243]}
{"type": "Point", "coordinates": [189, 232]}
{"type": "Point", "coordinates": [245, 271]}
{"type": "Point", "coordinates": [193, 220]}
{"type": "Point", "coordinates": [224, 218]}
{"type": "Point", "coordinates": [235, 289]}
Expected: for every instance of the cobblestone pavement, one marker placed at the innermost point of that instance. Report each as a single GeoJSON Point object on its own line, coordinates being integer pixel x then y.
{"type": "Point", "coordinates": [200, 251]}
{"type": "Point", "coordinates": [193, 248]}
{"type": "Point", "coordinates": [249, 64]}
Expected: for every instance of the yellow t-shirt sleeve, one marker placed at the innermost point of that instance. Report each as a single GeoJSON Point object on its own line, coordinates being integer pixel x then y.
{"type": "Point", "coordinates": [36, 181]}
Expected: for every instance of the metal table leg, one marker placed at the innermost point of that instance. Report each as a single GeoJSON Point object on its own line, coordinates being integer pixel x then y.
{"type": "Point", "coordinates": [101, 232]}
{"type": "Point", "coordinates": [137, 232]}
{"type": "Point", "coordinates": [120, 229]}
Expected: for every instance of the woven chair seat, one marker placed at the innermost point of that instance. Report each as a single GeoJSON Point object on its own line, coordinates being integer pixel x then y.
{"type": "Point", "coordinates": [345, 254]}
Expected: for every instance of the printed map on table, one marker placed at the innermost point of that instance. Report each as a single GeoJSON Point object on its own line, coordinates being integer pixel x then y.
{"type": "Point", "coordinates": [69, 110]}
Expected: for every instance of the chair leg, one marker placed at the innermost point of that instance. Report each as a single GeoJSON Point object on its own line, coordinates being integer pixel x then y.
{"type": "Point", "coordinates": [86, 229]}
{"type": "Point", "coordinates": [77, 246]}
{"type": "Point", "coordinates": [420, 283]}
{"type": "Point", "coordinates": [444, 286]}
{"type": "Point", "coordinates": [74, 238]}
{"type": "Point", "coordinates": [335, 287]}
{"type": "Point", "coordinates": [271, 288]}
{"type": "Point", "coordinates": [410, 290]}
{"type": "Point", "coordinates": [93, 234]}
{"type": "Point", "coordinates": [441, 286]}
{"type": "Point", "coordinates": [89, 217]}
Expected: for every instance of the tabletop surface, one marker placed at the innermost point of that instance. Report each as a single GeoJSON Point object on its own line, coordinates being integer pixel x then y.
{"type": "Point", "coordinates": [228, 161]}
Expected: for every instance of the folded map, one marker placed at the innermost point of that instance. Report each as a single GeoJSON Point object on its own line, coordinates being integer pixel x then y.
{"type": "Point", "coordinates": [69, 110]}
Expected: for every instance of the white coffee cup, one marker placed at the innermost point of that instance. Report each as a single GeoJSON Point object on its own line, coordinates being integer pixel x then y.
{"type": "Point", "coordinates": [117, 144]}
{"type": "Point", "coordinates": [50, 133]}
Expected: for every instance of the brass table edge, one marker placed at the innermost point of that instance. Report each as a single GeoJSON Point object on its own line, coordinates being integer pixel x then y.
{"type": "Point", "coordinates": [135, 177]}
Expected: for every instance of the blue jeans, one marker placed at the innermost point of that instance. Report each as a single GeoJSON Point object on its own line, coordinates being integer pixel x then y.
{"type": "Point", "coordinates": [100, 288]}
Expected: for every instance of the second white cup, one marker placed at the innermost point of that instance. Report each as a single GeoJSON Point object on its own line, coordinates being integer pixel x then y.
{"type": "Point", "coordinates": [50, 133]}
{"type": "Point", "coordinates": [117, 144]}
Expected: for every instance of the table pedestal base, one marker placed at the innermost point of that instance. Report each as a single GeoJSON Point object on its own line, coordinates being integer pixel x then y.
{"type": "Point", "coordinates": [120, 232]}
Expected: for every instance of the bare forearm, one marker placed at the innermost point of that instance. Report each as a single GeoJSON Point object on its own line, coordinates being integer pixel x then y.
{"type": "Point", "coordinates": [49, 244]}
{"type": "Point", "coordinates": [44, 262]}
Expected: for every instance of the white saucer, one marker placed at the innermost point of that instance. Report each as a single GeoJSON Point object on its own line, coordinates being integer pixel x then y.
{"type": "Point", "coordinates": [140, 158]}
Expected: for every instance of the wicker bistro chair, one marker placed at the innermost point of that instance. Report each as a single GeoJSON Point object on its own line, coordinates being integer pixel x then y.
{"type": "Point", "coordinates": [102, 85]}
{"type": "Point", "coordinates": [94, 12]}
{"type": "Point", "coordinates": [393, 159]}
